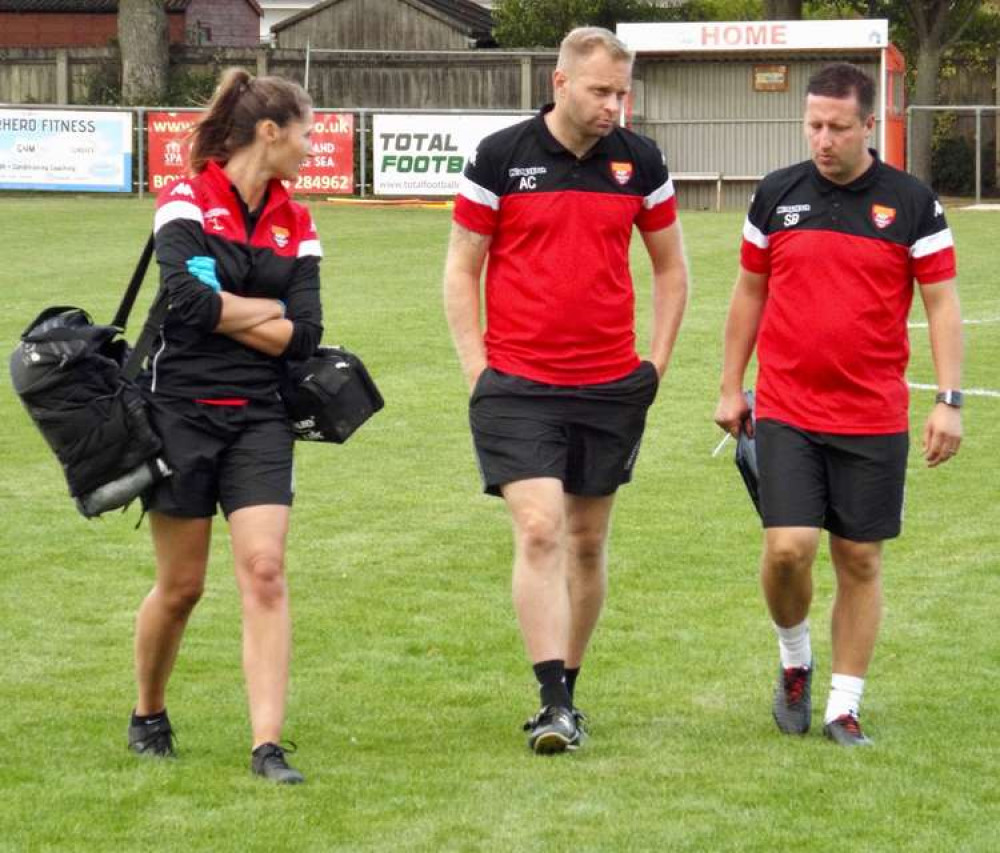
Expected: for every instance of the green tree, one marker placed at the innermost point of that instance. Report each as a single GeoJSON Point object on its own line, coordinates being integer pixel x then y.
{"type": "Point", "coordinates": [931, 34]}
{"type": "Point", "coordinates": [927, 29]}
{"type": "Point", "coordinates": [783, 10]}
{"type": "Point", "coordinates": [543, 23]}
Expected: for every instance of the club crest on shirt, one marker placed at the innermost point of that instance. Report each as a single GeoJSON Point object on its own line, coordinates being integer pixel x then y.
{"type": "Point", "coordinates": [622, 171]}
{"type": "Point", "coordinates": [883, 216]}
{"type": "Point", "coordinates": [280, 236]}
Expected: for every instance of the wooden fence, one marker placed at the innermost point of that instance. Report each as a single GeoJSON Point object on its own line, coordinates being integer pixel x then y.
{"type": "Point", "coordinates": [472, 79]}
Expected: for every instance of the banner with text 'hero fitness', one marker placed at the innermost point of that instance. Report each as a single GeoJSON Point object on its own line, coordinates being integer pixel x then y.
{"type": "Point", "coordinates": [68, 150]}
{"type": "Point", "coordinates": [425, 155]}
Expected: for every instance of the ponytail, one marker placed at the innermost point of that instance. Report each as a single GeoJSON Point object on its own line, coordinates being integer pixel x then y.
{"type": "Point", "coordinates": [239, 102]}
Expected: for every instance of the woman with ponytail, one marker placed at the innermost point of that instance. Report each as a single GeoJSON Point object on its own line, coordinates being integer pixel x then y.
{"type": "Point", "coordinates": [239, 260]}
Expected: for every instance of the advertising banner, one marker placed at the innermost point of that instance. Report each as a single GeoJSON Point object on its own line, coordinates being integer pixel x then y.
{"type": "Point", "coordinates": [424, 155]}
{"type": "Point", "coordinates": [330, 170]}
{"type": "Point", "coordinates": [68, 150]}
{"type": "Point", "coordinates": [165, 135]}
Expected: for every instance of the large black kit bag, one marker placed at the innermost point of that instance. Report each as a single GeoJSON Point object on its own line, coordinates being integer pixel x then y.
{"type": "Point", "coordinates": [746, 454]}
{"type": "Point", "coordinates": [77, 382]}
{"type": "Point", "coordinates": [329, 395]}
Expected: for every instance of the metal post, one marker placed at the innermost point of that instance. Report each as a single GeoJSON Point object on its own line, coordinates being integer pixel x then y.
{"type": "Point", "coordinates": [141, 148]}
{"type": "Point", "coordinates": [909, 137]}
{"type": "Point", "coordinates": [363, 149]}
{"type": "Point", "coordinates": [979, 154]}
{"type": "Point", "coordinates": [883, 77]}
{"type": "Point", "coordinates": [305, 83]}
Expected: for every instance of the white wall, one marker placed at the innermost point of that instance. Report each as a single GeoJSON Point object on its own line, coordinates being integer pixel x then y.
{"type": "Point", "coordinates": [278, 11]}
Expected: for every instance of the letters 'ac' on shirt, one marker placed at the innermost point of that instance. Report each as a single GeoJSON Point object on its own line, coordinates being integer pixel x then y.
{"type": "Point", "coordinates": [559, 297]}
{"type": "Point", "coordinates": [204, 218]}
{"type": "Point", "coordinates": [841, 261]}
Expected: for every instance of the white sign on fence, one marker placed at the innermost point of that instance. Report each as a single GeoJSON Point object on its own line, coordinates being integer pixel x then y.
{"type": "Point", "coordinates": [72, 150]}
{"type": "Point", "coordinates": [425, 155]}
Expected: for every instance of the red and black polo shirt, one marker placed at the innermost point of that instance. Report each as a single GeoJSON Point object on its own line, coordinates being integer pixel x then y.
{"type": "Point", "coordinates": [841, 261]}
{"type": "Point", "coordinates": [559, 296]}
{"type": "Point", "coordinates": [274, 254]}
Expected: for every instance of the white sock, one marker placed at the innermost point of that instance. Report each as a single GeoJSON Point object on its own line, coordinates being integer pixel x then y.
{"type": "Point", "coordinates": [845, 696]}
{"type": "Point", "coordinates": [794, 646]}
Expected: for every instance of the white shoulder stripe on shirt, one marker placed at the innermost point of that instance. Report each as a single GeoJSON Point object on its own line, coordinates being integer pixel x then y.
{"type": "Point", "coordinates": [480, 195]}
{"type": "Point", "coordinates": [752, 234]}
{"type": "Point", "coordinates": [932, 243]}
{"type": "Point", "coordinates": [176, 210]}
{"type": "Point", "coordinates": [310, 247]}
{"type": "Point", "coordinates": [659, 195]}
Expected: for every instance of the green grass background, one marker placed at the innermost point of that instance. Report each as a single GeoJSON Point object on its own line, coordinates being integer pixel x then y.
{"type": "Point", "coordinates": [409, 682]}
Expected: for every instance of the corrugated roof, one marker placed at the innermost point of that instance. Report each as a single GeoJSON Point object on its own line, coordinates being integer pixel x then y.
{"type": "Point", "coordinates": [100, 6]}
{"type": "Point", "coordinates": [475, 18]}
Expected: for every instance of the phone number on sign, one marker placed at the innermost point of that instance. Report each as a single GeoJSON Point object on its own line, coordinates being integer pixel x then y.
{"type": "Point", "coordinates": [323, 182]}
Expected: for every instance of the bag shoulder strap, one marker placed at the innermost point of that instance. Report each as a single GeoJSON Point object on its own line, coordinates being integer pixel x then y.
{"type": "Point", "coordinates": [132, 291]}
{"type": "Point", "coordinates": [157, 314]}
{"type": "Point", "coordinates": [150, 329]}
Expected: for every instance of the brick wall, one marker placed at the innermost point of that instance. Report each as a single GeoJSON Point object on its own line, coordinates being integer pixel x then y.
{"type": "Point", "coordinates": [24, 29]}
{"type": "Point", "coordinates": [225, 23]}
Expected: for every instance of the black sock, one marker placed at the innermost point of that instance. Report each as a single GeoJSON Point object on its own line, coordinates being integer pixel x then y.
{"type": "Point", "coordinates": [551, 675]}
{"type": "Point", "coordinates": [148, 719]}
{"type": "Point", "coordinates": [571, 675]}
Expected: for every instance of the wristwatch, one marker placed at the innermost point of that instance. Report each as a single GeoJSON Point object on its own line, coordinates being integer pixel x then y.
{"type": "Point", "coordinates": [949, 398]}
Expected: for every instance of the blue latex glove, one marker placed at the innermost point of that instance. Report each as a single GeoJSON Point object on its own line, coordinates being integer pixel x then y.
{"type": "Point", "coordinates": [202, 268]}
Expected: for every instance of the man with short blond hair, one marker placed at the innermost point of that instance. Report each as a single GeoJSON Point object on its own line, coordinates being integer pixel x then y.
{"type": "Point", "coordinates": [558, 394]}
{"type": "Point", "coordinates": [583, 41]}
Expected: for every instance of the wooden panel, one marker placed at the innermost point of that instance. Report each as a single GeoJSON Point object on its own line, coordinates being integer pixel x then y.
{"type": "Point", "coordinates": [374, 25]}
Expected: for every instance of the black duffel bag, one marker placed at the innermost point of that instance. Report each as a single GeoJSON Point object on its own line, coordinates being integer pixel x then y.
{"type": "Point", "coordinates": [76, 380]}
{"type": "Point", "coordinates": [329, 395]}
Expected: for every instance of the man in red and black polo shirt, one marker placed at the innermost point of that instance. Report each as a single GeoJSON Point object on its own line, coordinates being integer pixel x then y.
{"type": "Point", "coordinates": [831, 248]}
{"type": "Point", "coordinates": [559, 395]}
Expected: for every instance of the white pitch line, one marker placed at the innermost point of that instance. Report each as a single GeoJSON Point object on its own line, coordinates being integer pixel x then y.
{"type": "Point", "coordinates": [968, 392]}
{"type": "Point", "coordinates": [984, 322]}
{"type": "Point", "coordinates": [720, 445]}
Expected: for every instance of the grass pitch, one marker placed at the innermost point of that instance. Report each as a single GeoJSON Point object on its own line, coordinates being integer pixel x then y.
{"type": "Point", "coordinates": [409, 682]}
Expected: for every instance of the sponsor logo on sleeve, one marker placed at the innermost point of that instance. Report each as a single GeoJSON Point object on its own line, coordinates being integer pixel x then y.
{"type": "Point", "coordinates": [622, 171]}
{"type": "Point", "coordinates": [183, 189]}
{"type": "Point", "coordinates": [883, 216]}
{"type": "Point", "coordinates": [213, 216]}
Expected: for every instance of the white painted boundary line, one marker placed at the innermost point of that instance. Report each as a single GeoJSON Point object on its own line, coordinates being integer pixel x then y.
{"type": "Point", "coordinates": [968, 392]}
{"type": "Point", "coordinates": [983, 322]}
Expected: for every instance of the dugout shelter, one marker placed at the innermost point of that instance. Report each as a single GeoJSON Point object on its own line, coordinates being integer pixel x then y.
{"type": "Point", "coordinates": [724, 100]}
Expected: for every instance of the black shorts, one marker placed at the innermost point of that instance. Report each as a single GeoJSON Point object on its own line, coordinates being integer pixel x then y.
{"type": "Point", "coordinates": [231, 456]}
{"type": "Point", "coordinates": [585, 435]}
{"type": "Point", "coordinates": [851, 485]}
